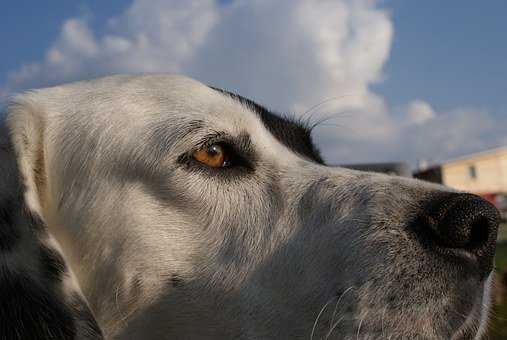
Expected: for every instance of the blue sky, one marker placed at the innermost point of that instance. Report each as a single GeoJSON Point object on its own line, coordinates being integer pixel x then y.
{"type": "Point", "coordinates": [451, 53]}
{"type": "Point", "coordinates": [28, 27]}
{"type": "Point", "coordinates": [433, 72]}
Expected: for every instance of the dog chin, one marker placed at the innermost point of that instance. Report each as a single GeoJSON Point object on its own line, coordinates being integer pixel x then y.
{"type": "Point", "coordinates": [476, 325]}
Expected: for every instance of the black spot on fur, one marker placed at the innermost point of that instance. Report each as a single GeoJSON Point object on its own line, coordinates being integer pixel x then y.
{"type": "Point", "coordinates": [11, 196]}
{"type": "Point", "coordinates": [30, 311]}
{"type": "Point", "coordinates": [52, 264]}
{"type": "Point", "coordinates": [9, 235]}
{"type": "Point", "coordinates": [32, 302]}
{"type": "Point", "coordinates": [290, 132]}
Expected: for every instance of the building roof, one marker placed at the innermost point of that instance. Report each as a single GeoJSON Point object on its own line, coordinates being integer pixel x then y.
{"type": "Point", "coordinates": [477, 154]}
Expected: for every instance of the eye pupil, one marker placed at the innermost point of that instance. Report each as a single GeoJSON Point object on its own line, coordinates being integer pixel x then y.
{"type": "Point", "coordinates": [214, 150]}
{"type": "Point", "coordinates": [213, 156]}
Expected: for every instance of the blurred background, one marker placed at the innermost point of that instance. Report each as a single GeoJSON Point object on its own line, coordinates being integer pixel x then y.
{"type": "Point", "coordinates": [416, 88]}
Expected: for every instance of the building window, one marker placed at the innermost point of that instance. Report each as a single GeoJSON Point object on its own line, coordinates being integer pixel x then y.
{"type": "Point", "coordinates": [472, 172]}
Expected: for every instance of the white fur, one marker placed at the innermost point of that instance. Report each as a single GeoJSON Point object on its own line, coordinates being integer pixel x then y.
{"type": "Point", "coordinates": [162, 252]}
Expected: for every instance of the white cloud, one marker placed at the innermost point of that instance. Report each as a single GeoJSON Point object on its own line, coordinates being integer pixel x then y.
{"type": "Point", "coordinates": [288, 54]}
{"type": "Point", "coordinates": [438, 137]}
{"type": "Point", "coordinates": [419, 112]}
{"type": "Point", "coordinates": [449, 134]}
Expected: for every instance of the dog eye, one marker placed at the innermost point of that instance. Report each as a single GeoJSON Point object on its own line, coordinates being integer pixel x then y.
{"type": "Point", "coordinates": [213, 156]}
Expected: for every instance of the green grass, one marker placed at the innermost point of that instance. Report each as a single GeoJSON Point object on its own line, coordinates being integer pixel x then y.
{"type": "Point", "coordinates": [501, 256]}
{"type": "Point", "coordinates": [498, 329]}
{"type": "Point", "coordinates": [502, 233]}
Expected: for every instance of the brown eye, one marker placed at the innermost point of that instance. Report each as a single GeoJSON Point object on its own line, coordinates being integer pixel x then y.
{"type": "Point", "coordinates": [213, 156]}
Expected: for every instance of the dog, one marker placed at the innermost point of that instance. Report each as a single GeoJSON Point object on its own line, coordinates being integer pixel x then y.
{"type": "Point", "coordinates": [157, 207]}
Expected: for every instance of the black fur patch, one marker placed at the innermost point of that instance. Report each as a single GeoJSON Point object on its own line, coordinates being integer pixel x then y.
{"type": "Point", "coordinates": [30, 311]}
{"type": "Point", "coordinates": [32, 302]}
{"type": "Point", "coordinates": [11, 196]}
{"type": "Point", "coordinates": [9, 235]}
{"type": "Point", "coordinates": [52, 264]}
{"type": "Point", "coordinates": [290, 132]}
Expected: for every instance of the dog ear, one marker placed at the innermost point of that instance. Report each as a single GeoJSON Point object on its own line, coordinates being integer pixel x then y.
{"type": "Point", "coordinates": [39, 295]}
{"type": "Point", "coordinates": [26, 124]}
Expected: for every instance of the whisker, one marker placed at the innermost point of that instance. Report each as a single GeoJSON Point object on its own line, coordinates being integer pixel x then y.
{"type": "Point", "coordinates": [314, 107]}
{"type": "Point", "coordinates": [333, 328]}
{"type": "Point", "coordinates": [359, 328]}
{"type": "Point", "coordinates": [324, 119]}
{"type": "Point", "coordinates": [459, 314]}
{"type": "Point", "coordinates": [319, 315]}
{"type": "Point", "coordinates": [336, 306]}
{"type": "Point", "coordinates": [382, 321]}
{"type": "Point", "coordinates": [123, 317]}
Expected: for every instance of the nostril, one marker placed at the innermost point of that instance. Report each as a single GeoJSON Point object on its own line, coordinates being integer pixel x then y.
{"type": "Point", "coordinates": [479, 233]}
{"type": "Point", "coordinates": [463, 221]}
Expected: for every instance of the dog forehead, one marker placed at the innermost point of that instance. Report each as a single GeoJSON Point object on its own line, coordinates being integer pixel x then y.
{"type": "Point", "coordinates": [126, 103]}
{"type": "Point", "coordinates": [149, 97]}
{"type": "Point", "coordinates": [179, 99]}
{"type": "Point", "coordinates": [182, 100]}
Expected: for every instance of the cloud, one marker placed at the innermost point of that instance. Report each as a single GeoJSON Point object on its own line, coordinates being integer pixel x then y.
{"type": "Point", "coordinates": [419, 112]}
{"type": "Point", "coordinates": [150, 36]}
{"type": "Point", "coordinates": [421, 134]}
{"type": "Point", "coordinates": [448, 134]}
{"type": "Point", "coordinates": [288, 54]}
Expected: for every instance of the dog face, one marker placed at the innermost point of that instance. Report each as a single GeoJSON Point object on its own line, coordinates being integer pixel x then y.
{"type": "Point", "coordinates": [187, 212]}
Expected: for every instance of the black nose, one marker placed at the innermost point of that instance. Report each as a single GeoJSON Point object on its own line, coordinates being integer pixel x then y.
{"type": "Point", "coordinates": [464, 222]}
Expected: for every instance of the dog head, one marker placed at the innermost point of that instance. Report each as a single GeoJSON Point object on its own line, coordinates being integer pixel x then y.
{"type": "Point", "coordinates": [189, 212]}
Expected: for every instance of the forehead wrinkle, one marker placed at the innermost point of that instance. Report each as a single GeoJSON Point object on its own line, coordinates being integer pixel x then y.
{"type": "Point", "coordinates": [164, 135]}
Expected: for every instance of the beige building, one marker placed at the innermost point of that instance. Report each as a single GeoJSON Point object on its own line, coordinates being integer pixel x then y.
{"type": "Point", "coordinates": [483, 173]}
